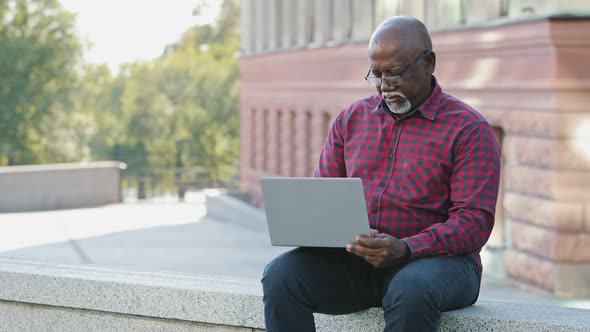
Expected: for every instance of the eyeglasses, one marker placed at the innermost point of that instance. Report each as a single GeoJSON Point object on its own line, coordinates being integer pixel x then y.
{"type": "Point", "coordinates": [394, 81]}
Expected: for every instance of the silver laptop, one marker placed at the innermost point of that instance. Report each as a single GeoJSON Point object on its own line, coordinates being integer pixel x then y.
{"type": "Point", "coordinates": [314, 212]}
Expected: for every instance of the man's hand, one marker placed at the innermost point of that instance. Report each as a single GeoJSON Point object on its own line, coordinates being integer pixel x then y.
{"type": "Point", "coordinates": [380, 250]}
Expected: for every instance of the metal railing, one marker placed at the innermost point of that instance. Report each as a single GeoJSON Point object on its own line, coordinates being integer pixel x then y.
{"type": "Point", "coordinates": [150, 182]}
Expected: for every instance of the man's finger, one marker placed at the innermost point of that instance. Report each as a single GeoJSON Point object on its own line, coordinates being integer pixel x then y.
{"type": "Point", "coordinates": [368, 242]}
{"type": "Point", "coordinates": [356, 249]}
{"type": "Point", "coordinates": [351, 247]}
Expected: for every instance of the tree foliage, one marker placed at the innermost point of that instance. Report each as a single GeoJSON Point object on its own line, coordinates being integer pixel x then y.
{"type": "Point", "coordinates": [39, 50]}
{"type": "Point", "coordinates": [186, 99]}
{"type": "Point", "coordinates": [54, 109]}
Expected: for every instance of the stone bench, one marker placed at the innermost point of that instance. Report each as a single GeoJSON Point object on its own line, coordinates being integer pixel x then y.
{"type": "Point", "coordinates": [47, 297]}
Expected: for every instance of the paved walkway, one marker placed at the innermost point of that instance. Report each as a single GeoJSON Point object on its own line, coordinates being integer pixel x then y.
{"type": "Point", "coordinates": [151, 236]}
{"type": "Point", "coordinates": [166, 236]}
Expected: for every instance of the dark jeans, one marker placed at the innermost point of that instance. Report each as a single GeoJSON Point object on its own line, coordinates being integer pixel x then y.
{"type": "Point", "coordinates": [332, 281]}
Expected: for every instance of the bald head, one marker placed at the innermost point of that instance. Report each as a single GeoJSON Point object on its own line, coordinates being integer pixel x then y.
{"type": "Point", "coordinates": [401, 48]}
{"type": "Point", "coordinates": [400, 34]}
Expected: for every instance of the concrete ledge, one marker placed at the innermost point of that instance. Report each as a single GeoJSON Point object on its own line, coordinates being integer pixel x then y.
{"type": "Point", "coordinates": [225, 207]}
{"type": "Point", "coordinates": [59, 186]}
{"type": "Point", "coordinates": [204, 299]}
{"type": "Point", "coordinates": [75, 298]}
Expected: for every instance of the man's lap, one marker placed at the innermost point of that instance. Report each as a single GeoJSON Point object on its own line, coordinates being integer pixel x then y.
{"type": "Point", "coordinates": [334, 281]}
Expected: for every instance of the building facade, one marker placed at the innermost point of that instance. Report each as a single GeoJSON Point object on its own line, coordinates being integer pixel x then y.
{"type": "Point", "coordinates": [523, 64]}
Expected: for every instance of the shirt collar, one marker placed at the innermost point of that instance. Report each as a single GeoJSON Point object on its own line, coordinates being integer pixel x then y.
{"type": "Point", "coordinates": [429, 107]}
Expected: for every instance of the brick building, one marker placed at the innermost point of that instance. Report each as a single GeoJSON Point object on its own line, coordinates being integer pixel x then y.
{"type": "Point", "coordinates": [523, 64]}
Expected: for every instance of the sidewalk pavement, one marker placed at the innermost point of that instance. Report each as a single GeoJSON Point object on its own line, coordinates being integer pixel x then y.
{"type": "Point", "coordinates": [164, 235]}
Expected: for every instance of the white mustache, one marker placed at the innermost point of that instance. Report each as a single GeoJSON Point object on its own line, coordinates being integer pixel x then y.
{"type": "Point", "coordinates": [392, 94]}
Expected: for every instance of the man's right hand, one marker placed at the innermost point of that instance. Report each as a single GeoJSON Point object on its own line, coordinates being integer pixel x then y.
{"type": "Point", "coordinates": [380, 250]}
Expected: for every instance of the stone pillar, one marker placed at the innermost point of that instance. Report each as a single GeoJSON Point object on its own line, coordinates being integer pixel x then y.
{"type": "Point", "coordinates": [246, 27]}
{"type": "Point", "coordinates": [481, 11]}
{"type": "Point", "coordinates": [246, 145]}
{"type": "Point", "coordinates": [259, 21]}
{"type": "Point", "coordinates": [385, 9]}
{"type": "Point", "coordinates": [322, 22]}
{"type": "Point", "coordinates": [287, 142]}
{"type": "Point", "coordinates": [416, 8]}
{"type": "Point", "coordinates": [302, 142]}
{"type": "Point", "coordinates": [304, 22]}
{"type": "Point", "coordinates": [342, 26]}
{"type": "Point", "coordinates": [318, 136]}
{"type": "Point", "coordinates": [272, 142]}
{"type": "Point", "coordinates": [259, 136]}
{"type": "Point", "coordinates": [274, 13]}
{"type": "Point", "coordinates": [440, 15]}
{"type": "Point", "coordinates": [288, 27]}
{"type": "Point", "coordinates": [363, 17]}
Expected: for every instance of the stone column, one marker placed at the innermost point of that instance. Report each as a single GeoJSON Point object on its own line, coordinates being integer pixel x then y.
{"type": "Point", "coordinates": [342, 27]}
{"type": "Point", "coordinates": [318, 136]}
{"type": "Point", "coordinates": [259, 22]}
{"type": "Point", "coordinates": [481, 11]}
{"type": "Point", "coordinates": [416, 8]}
{"type": "Point", "coordinates": [302, 142]}
{"type": "Point", "coordinates": [363, 17]}
{"type": "Point", "coordinates": [274, 13]}
{"type": "Point", "coordinates": [304, 22]}
{"type": "Point", "coordinates": [385, 9]}
{"type": "Point", "coordinates": [442, 14]}
{"type": "Point", "coordinates": [272, 142]}
{"type": "Point", "coordinates": [246, 142]}
{"type": "Point", "coordinates": [288, 27]}
{"type": "Point", "coordinates": [287, 142]}
{"type": "Point", "coordinates": [259, 144]}
{"type": "Point", "coordinates": [246, 27]}
{"type": "Point", "coordinates": [322, 22]}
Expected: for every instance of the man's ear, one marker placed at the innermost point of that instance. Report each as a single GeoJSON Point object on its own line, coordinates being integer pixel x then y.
{"type": "Point", "coordinates": [430, 61]}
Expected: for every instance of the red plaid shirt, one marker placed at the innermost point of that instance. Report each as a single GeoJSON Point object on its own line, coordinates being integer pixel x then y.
{"type": "Point", "coordinates": [430, 178]}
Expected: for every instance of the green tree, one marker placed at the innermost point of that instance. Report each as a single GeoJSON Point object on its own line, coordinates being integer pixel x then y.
{"type": "Point", "coordinates": [187, 98]}
{"type": "Point", "coordinates": [206, 55]}
{"type": "Point", "coordinates": [39, 51]}
{"type": "Point", "coordinates": [97, 100]}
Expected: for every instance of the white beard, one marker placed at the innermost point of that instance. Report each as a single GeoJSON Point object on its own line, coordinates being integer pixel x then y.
{"type": "Point", "coordinates": [397, 108]}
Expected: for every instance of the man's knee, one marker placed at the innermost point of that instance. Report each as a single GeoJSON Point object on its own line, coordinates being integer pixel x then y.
{"type": "Point", "coordinates": [272, 271]}
{"type": "Point", "coordinates": [279, 273]}
{"type": "Point", "coordinates": [410, 289]}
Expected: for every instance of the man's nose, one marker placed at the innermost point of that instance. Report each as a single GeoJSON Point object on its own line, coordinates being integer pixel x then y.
{"type": "Point", "coordinates": [387, 87]}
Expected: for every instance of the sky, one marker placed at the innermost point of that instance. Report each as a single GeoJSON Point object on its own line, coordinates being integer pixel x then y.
{"type": "Point", "coordinates": [119, 31]}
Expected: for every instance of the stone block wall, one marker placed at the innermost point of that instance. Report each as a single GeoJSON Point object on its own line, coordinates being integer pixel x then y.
{"type": "Point", "coordinates": [284, 121]}
{"type": "Point", "coordinates": [529, 79]}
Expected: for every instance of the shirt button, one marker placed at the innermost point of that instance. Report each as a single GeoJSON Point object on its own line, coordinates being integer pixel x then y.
{"type": "Point", "coordinates": [382, 184]}
{"type": "Point", "coordinates": [390, 155]}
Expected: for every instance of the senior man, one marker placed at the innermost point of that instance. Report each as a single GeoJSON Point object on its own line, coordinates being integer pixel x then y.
{"type": "Point", "coordinates": [430, 167]}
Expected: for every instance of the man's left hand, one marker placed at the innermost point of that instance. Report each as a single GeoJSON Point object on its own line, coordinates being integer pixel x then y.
{"type": "Point", "coordinates": [381, 250]}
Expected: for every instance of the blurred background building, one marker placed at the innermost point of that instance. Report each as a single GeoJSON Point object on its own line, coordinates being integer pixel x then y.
{"type": "Point", "coordinates": [522, 64]}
